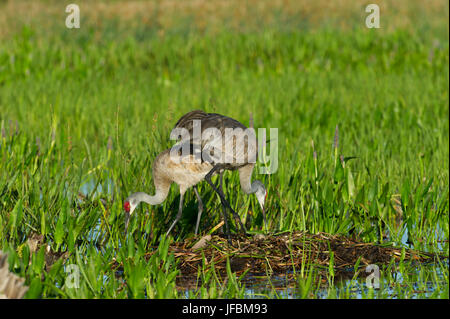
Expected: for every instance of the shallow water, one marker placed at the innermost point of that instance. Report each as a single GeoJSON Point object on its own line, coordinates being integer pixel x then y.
{"type": "Point", "coordinates": [388, 288]}
{"type": "Point", "coordinates": [106, 188]}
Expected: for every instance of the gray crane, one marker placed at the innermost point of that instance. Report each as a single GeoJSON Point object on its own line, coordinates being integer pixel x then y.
{"type": "Point", "coordinates": [206, 156]}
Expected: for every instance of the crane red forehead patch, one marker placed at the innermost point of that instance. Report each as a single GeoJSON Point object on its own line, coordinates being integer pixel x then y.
{"type": "Point", "coordinates": [126, 206]}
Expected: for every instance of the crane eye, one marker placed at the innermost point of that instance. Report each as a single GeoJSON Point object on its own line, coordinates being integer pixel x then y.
{"type": "Point", "coordinates": [126, 206]}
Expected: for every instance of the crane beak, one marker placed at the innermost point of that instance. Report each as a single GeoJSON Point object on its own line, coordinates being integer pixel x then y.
{"type": "Point", "coordinates": [127, 220]}
{"type": "Point", "coordinates": [263, 209]}
{"type": "Point", "coordinates": [262, 197]}
{"type": "Point", "coordinates": [265, 219]}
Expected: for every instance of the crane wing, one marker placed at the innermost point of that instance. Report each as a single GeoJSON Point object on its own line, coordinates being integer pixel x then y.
{"type": "Point", "coordinates": [214, 144]}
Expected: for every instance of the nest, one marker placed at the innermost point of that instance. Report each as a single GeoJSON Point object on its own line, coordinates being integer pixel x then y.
{"type": "Point", "coordinates": [282, 253]}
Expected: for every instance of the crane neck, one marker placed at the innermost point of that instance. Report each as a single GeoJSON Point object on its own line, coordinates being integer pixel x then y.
{"type": "Point", "coordinates": [161, 191]}
{"type": "Point", "coordinates": [245, 176]}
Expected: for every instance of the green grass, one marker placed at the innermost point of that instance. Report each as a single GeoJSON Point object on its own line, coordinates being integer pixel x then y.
{"type": "Point", "coordinates": [66, 96]}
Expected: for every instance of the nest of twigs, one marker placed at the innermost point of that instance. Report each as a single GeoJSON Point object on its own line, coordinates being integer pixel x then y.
{"type": "Point", "coordinates": [281, 253]}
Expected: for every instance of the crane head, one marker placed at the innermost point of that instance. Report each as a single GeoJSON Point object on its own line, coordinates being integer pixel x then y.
{"type": "Point", "coordinates": [261, 196]}
{"type": "Point", "coordinates": [129, 206]}
{"type": "Point", "coordinates": [261, 193]}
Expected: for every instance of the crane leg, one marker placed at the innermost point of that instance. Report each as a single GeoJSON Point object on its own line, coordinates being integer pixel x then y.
{"type": "Point", "coordinates": [224, 209]}
{"type": "Point", "coordinates": [200, 209]}
{"type": "Point", "coordinates": [180, 212]}
{"type": "Point", "coordinates": [222, 197]}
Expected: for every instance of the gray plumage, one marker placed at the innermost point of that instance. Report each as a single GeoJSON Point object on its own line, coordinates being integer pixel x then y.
{"type": "Point", "coordinates": [187, 173]}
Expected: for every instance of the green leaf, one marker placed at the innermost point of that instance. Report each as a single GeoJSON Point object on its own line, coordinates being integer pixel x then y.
{"type": "Point", "coordinates": [16, 216]}
{"type": "Point", "coordinates": [373, 191]}
{"type": "Point", "coordinates": [59, 232]}
{"type": "Point", "coordinates": [38, 261]}
{"type": "Point", "coordinates": [35, 289]}
{"type": "Point", "coordinates": [43, 222]}
{"type": "Point", "coordinates": [373, 210]}
{"type": "Point", "coordinates": [347, 158]}
{"type": "Point", "coordinates": [331, 264]}
{"type": "Point", "coordinates": [350, 184]}
{"type": "Point", "coordinates": [360, 198]}
{"type": "Point", "coordinates": [384, 198]}
{"type": "Point", "coordinates": [405, 194]}
{"type": "Point", "coordinates": [339, 172]}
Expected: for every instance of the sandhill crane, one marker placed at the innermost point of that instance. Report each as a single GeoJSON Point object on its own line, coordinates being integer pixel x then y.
{"type": "Point", "coordinates": [188, 169]}
{"type": "Point", "coordinates": [166, 171]}
{"type": "Point", "coordinates": [233, 157]}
